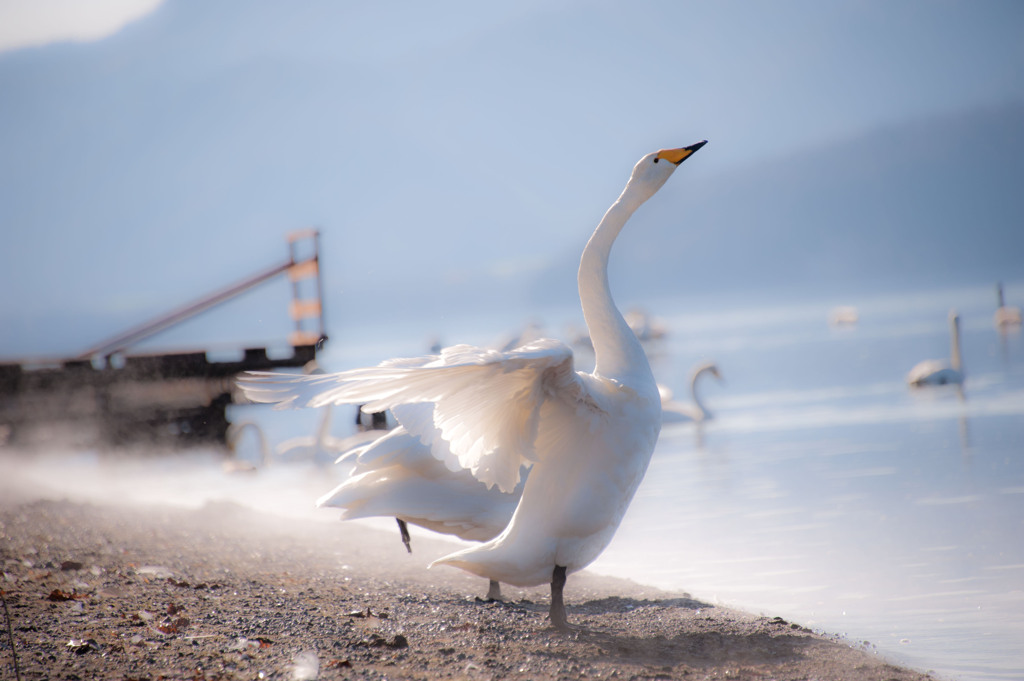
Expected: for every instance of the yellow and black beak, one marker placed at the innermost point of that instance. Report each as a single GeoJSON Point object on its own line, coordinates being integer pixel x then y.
{"type": "Point", "coordinates": [677, 156]}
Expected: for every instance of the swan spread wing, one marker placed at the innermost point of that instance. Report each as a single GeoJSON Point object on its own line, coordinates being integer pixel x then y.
{"type": "Point", "coordinates": [398, 476]}
{"type": "Point", "coordinates": [448, 504]}
{"type": "Point", "coordinates": [487, 404]}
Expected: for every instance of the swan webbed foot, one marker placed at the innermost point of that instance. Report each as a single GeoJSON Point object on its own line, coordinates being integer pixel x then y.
{"type": "Point", "coordinates": [557, 614]}
{"type": "Point", "coordinates": [403, 530]}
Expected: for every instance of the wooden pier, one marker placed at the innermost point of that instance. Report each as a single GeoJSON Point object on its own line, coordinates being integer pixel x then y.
{"type": "Point", "coordinates": [108, 395]}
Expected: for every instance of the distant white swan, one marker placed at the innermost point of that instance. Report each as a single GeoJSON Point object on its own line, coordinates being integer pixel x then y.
{"type": "Point", "coordinates": [534, 330]}
{"type": "Point", "coordinates": [1006, 316]}
{"type": "Point", "coordinates": [588, 437]}
{"type": "Point", "coordinates": [644, 326]}
{"type": "Point", "coordinates": [241, 460]}
{"type": "Point", "coordinates": [319, 447]}
{"type": "Point", "coordinates": [941, 372]}
{"type": "Point", "coordinates": [844, 315]}
{"type": "Point", "coordinates": [324, 447]}
{"type": "Point", "coordinates": [679, 412]}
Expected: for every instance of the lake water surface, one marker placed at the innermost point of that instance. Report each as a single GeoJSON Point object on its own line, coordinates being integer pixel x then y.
{"type": "Point", "coordinates": [823, 490]}
{"type": "Point", "coordinates": [827, 491]}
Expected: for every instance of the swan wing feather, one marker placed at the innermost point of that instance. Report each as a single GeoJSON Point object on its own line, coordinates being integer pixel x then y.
{"type": "Point", "coordinates": [487, 404]}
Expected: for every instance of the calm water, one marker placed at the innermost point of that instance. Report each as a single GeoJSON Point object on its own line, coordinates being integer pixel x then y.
{"type": "Point", "coordinates": [828, 492]}
{"type": "Point", "coordinates": [824, 490]}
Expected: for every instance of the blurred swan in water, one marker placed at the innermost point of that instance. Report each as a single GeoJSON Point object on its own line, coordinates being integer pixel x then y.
{"type": "Point", "coordinates": [534, 330]}
{"type": "Point", "coordinates": [587, 437]}
{"type": "Point", "coordinates": [644, 327]}
{"type": "Point", "coordinates": [1006, 316]}
{"type": "Point", "coordinates": [844, 315]}
{"type": "Point", "coordinates": [239, 447]}
{"type": "Point", "coordinates": [316, 447]}
{"type": "Point", "coordinates": [941, 372]}
{"type": "Point", "coordinates": [323, 447]}
{"type": "Point", "coordinates": [678, 412]}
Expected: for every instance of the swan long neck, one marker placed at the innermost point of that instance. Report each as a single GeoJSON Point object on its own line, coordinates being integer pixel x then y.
{"type": "Point", "coordinates": [955, 359]}
{"type": "Point", "coordinates": [617, 351]}
{"type": "Point", "coordinates": [703, 410]}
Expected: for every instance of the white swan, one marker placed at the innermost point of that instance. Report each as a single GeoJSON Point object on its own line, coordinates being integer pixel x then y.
{"type": "Point", "coordinates": [316, 447]}
{"type": "Point", "coordinates": [324, 447]}
{"type": "Point", "coordinates": [588, 437]}
{"type": "Point", "coordinates": [242, 460]}
{"type": "Point", "coordinates": [644, 325]}
{"type": "Point", "coordinates": [398, 476]}
{"type": "Point", "coordinates": [941, 372]}
{"type": "Point", "coordinates": [1006, 317]}
{"type": "Point", "coordinates": [678, 412]}
{"type": "Point", "coordinates": [844, 315]}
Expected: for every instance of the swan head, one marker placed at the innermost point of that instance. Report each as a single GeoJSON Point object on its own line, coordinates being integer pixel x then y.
{"type": "Point", "coordinates": [706, 368]}
{"type": "Point", "coordinates": [654, 169]}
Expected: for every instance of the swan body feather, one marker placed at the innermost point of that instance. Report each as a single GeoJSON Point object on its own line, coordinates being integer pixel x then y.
{"type": "Point", "coordinates": [934, 372]}
{"type": "Point", "coordinates": [941, 372]}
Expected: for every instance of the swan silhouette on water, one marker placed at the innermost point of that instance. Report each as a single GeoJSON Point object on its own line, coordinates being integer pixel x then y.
{"type": "Point", "coordinates": [696, 412]}
{"type": "Point", "coordinates": [586, 437]}
{"type": "Point", "coordinates": [937, 371]}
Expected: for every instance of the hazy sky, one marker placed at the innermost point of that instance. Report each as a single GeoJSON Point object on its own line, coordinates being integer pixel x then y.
{"type": "Point", "coordinates": [425, 139]}
{"type": "Point", "coordinates": [31, 23]}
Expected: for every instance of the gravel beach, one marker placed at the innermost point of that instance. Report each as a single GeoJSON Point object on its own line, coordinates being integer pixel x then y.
{"type": "Point", "coordinates": [223, 592]}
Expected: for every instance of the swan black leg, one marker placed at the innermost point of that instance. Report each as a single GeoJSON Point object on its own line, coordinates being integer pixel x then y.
{"type": "Point", "coordinates": [557, 615]}
{"type": "Point", "coordinates": [494, 590]}
{"type": "Point", "coordinates": [403, 529]}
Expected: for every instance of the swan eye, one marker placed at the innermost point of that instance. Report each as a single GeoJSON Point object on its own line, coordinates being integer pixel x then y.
{"type": "Point", "coordinates": [655, 159]}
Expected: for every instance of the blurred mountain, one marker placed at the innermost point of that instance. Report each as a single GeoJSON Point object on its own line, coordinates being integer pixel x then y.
{"type": "Point", "coordinates": [927, 203]}
{"type": "Point", "coordinates": [147, 169]}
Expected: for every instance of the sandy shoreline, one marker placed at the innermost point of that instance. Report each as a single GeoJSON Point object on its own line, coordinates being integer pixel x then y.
{"type": "Point", "coordinates": [227, 593]}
